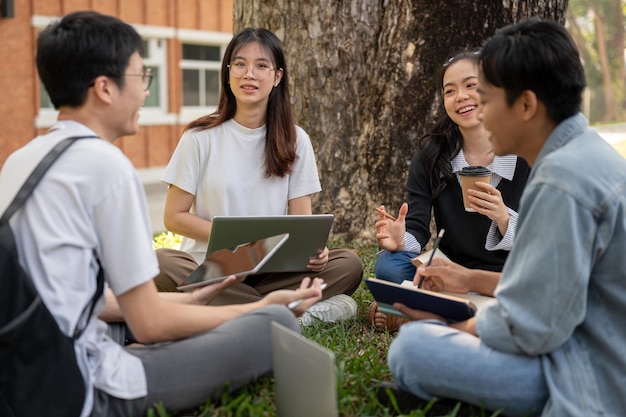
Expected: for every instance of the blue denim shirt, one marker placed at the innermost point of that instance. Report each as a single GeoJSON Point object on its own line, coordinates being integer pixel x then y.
{"type": "Point", "coordinates": [562, 295]}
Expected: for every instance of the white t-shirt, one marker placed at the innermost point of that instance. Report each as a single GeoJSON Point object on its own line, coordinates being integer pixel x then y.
{"type": "Point", "coordinates": [90, 200]}
{"type": "Point", "coordinates": [224, 168]}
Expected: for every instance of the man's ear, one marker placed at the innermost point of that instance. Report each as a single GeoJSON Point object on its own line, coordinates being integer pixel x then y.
{"type": "Point", "coordinates": [102, 88]}
{"type": "Point", "coordinates": [527, 102]}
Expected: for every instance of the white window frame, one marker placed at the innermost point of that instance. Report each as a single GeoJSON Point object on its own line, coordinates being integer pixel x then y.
{"type": "Point", "coordinates": [156, 57]}
{"type": "Point", "coordinates": [46, 116]}
{"type": "Point", "coordinates": [156, 37]}
{"type": "Point", "coordinates": [203, 38]}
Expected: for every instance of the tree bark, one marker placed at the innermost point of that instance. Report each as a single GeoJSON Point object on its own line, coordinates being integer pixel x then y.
{"type": "Point", "coordinates": [363, 83]}
{"type": "Point", "coordinates": [578, 36]}
{"type": "Point", "coordinates": [607, 84]}
{"type": "Point", "coordinates": [617, 20]}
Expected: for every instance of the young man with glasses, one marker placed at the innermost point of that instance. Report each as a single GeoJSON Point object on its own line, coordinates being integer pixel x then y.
{"type": "Point", "coordinates": [90, 207]}
{"type": "Point", "coordinates": [146, 77]}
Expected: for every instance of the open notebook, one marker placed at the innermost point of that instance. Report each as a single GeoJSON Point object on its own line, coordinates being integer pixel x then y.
{"type": "Point", "coordinates": [451, 306]}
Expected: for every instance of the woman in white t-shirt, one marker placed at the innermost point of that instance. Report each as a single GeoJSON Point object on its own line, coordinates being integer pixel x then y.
{"type": "Point", "coordinates": [249, 158]}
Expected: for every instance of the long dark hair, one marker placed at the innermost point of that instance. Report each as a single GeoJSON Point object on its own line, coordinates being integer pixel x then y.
{"type": "Point", "coordinates": [280, 141]}
{"type": "Point", "coordinates": [444, 140]}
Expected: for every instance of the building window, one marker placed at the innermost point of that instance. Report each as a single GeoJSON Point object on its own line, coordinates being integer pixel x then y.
{"type": "Point", "coordinates": [44, 98]}
{"type": "Point", "coordinates": [155, 109]}
{"type": "Point", "coordinates": [200, 66]}
{"type": "Point", "coordinates": [201, 75]}
{"type": "Point", "coordinates": [155, 58]}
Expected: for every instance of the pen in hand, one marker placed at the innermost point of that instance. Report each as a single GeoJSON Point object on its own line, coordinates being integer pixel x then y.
{"type": "Point", "coordinates": [432, 255]}
{"type": "Point", "coordinates": [384, 213]}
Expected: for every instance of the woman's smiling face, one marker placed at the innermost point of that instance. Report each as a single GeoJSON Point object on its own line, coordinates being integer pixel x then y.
{"type": "Point", "coordinates": [460, 98]}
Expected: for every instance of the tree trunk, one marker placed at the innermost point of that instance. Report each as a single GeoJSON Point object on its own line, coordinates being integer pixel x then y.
{"type": "Point", "coordinates": [363, 84]}
{"type": "Point", "coordinates": [578, 36]}
{"type": "Point", "coordinates": [617, 19]}
{"type": "Point", "coordinates": [607, 84]}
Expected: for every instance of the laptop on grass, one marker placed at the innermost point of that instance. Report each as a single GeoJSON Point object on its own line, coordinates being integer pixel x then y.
{"type": "Point", "coordinates": [241, 260]}
{"type": "Point", "coordinates": [308, 235]}
{"type": "Point", "coordinates": [305, 378]}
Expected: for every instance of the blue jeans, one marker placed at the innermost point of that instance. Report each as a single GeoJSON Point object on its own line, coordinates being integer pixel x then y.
{"type": "Point", "coordinates": [430, 359]}
{"type": "Point", "coordinates": [395, 266]}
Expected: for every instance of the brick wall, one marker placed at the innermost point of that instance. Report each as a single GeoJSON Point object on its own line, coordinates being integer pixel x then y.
{"type": "Point", "coordinates": [19, 86]}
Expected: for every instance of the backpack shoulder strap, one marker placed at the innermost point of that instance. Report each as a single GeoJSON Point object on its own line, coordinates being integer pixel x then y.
{"type": "Point", "coordinates": [84, 315]}
{"type": "Point", "coordinates": [27, 189]}
{"type": "Point", "coordinates": [36, 176]}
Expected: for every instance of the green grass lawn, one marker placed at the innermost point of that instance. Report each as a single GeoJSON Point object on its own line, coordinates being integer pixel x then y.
{"type": "Point", "coordinates": [360, 353]}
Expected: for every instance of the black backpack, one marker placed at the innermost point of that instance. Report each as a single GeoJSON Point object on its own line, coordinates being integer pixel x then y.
{"type": "Point", "coordinates": [39, 375]}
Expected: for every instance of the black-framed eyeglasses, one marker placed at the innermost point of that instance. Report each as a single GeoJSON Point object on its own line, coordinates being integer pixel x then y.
{"type": "Point", "coordinates": [146, 77]}
{"type": "Point", "coordinates": [261, 70]}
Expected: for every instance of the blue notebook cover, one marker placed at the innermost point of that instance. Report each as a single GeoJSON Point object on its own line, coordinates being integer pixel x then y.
{"type": "Point", "coordinates": [450, 307]}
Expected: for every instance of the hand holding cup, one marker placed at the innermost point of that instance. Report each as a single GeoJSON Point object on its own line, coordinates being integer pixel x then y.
{"type": "Point", "coordinates": [469, 176]}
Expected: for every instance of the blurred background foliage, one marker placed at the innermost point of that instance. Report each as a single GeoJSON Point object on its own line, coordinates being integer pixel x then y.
{"type": "Point", "coordinates": [598, 29]}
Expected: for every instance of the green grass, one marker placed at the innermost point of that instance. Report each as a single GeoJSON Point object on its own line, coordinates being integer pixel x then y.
{"type": "Point", "coordinates": [360, 353]}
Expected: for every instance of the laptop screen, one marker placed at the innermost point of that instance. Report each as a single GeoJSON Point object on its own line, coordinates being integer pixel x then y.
{"type": "Point", "coordinates": [305, 376]}
{"type": "Point", "coordinates": [308, 235]}
{"type": "Point", "coordinates": [243, 259]}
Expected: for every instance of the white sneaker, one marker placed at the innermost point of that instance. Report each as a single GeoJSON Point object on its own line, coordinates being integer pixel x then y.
{"type": "Point", "coordinates": [336, 308]}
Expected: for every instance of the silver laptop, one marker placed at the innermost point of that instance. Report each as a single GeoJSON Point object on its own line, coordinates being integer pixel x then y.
{"type": "Point", "coordinates": [242, 260]}
{"type": "Point", "coordinates": [308, 235]}
{"type": "Point", "coordinates": [305, 376]}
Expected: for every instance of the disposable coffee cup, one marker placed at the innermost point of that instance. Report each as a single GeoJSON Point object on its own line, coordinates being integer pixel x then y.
{"type": "Point", "coordinates": [470, 175]}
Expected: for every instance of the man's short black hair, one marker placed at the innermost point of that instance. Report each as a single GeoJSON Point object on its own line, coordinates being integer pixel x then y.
{"type": "Point", "coordinates": [81, 46]}
{"type": "Point", "coordinates": [537, 55]}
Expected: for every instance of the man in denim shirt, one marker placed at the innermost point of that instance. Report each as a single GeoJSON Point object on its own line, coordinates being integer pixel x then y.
{"type": "Point", "coordinates": [552, 342]}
